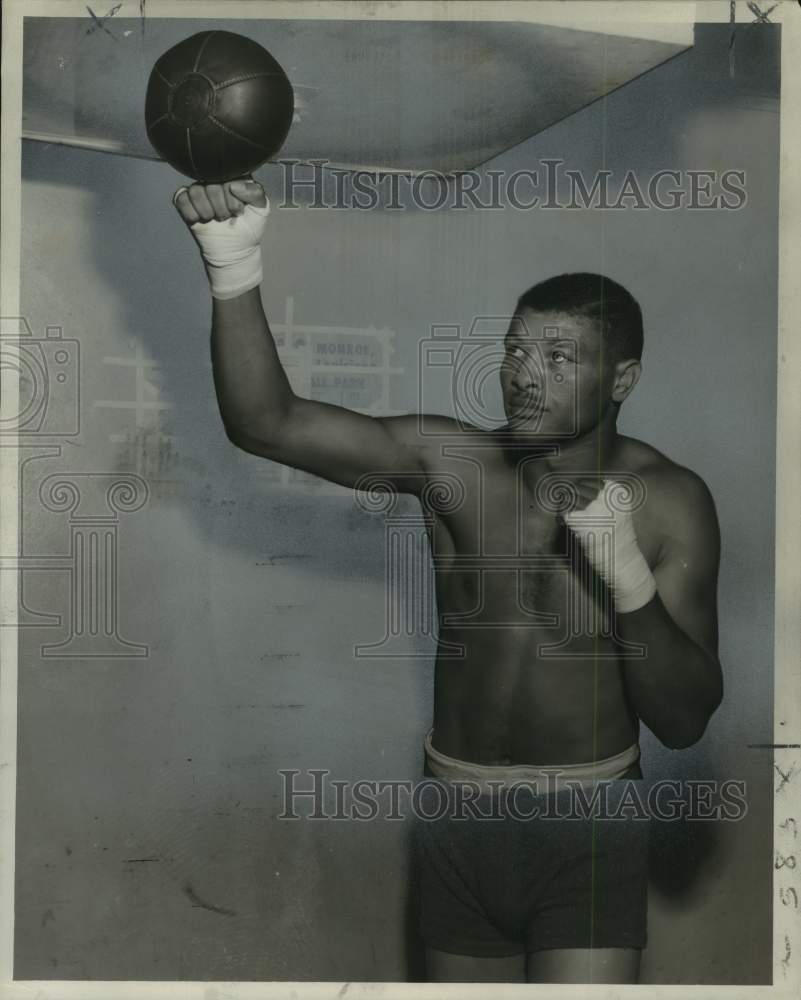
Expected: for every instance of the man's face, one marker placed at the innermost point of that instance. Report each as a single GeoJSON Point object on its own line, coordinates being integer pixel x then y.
{"type": "Point", "coordinates": [555, 376]}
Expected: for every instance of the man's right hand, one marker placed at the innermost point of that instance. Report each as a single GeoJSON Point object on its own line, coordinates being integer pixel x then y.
{"type": "Point", "coordinates": [205, 202]}
{"type": "Point", "coordinates": [227, 222]}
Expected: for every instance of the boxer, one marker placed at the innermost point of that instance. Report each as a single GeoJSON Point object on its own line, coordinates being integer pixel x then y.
{"type": "Point", "coordinates": [578, 576]}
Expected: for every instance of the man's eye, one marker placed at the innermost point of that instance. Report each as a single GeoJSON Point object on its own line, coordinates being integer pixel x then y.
{"type": "Point", "coordinates": [559, 356]}
{"type": "Point", "coordinates": [512, 350]}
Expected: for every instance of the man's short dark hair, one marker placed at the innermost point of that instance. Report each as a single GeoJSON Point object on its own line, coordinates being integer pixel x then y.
{"type": "Point", "coordinates": [598, 298]}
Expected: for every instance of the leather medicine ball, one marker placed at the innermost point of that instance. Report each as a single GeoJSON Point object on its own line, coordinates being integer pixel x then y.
{"type": "Point", "coordinates": [218, 106]}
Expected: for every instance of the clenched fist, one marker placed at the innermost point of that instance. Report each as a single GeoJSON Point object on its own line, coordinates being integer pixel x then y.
{"type": "Point", "coordinates": [227, 222]}
{"type": "Point", "coordinates": [204, 202]}
{"type": "Point", "coordinates": [606, 532]}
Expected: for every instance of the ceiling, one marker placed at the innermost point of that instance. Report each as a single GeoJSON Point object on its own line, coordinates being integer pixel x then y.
{"type": "Point", "coordinates": [396, 95]}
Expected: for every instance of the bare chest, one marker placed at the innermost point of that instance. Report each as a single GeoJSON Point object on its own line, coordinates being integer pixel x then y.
{"type": "Point", "coordinates": [505, 544]}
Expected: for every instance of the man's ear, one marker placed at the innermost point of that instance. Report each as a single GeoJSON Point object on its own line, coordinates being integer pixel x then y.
{"type": "Point", "coordinates": [627, 375]}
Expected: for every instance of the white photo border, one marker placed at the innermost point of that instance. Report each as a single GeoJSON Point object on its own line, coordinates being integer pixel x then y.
{"type": "Point", "coordinates": [787, 666]}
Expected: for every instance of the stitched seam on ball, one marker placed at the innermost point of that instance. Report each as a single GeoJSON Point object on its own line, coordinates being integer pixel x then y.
{"type": "Point", "coordinates": [159, 119]}
{"type": "Point", "coordinates": [244, 76]}
{"type": "Point", "coordinates": [206, 41]}
{"type": "Point", "coordinates": [158, 72]}
{"type": "Point", "coordinates": [236, 135]}
{"type": "Point", "coordinates": [195, 170]}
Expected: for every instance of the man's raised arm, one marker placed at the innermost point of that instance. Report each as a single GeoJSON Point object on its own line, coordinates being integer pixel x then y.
{"type": "Point", "coordinates": [260, 412]}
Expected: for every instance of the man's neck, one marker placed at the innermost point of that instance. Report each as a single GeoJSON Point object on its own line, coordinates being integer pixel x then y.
{"type": "Point", "coordinates": [592, 453]}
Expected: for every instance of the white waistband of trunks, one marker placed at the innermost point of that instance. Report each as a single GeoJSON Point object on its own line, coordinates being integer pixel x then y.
{"type": "Point", "coordinates": [545, 776]}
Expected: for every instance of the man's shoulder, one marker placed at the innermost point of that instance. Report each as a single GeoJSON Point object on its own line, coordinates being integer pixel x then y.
{"type": "Point", "coordinates": [678, 501]}
{"type": "Point", "coordinates": [661, 472]}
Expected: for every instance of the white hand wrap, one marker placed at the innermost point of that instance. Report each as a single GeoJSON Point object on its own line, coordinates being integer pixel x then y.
{"type": "Point", "coordinates": [231, 250]}
{"type": "Point", "coordinates": [621, 564]}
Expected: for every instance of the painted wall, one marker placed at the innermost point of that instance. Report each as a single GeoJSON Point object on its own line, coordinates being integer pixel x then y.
{"type": "Point", "coordinates": [147, 840]}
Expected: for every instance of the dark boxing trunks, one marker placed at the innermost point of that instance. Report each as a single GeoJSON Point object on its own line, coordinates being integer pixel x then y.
{"type": "Point", "coordinates": [560, 879]}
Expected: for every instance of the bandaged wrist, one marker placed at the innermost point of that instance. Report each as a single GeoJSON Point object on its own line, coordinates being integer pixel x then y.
{"type": "Point", "coordinates": [231, 251]}
{"type": "Point", "coordinates": [621, 564]}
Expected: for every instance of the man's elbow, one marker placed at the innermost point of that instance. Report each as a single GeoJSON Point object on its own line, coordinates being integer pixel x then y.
{"type": "Point", "coordinates": [687, 731]}
{"type": "Point", "coordinates": [235, 435]}
{"type": "Point", "coordinates": [257, 438]}
{"type": "Point", "coordinates": [261, 431]}
{"type": "Point", "coordinates": [689, 726]}
{"type": "Point", "coordinates": [239, 439]}
{"type": "Point", "coordinates": [682, 739]}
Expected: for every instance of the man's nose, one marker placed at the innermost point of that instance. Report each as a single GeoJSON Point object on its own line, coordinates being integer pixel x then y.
{"type": "Point", "coordinates": [526, 377]}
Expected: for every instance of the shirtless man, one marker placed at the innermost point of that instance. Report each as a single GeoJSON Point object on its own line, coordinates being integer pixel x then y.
{"type": "Point", "coordinates": [527, 691]}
